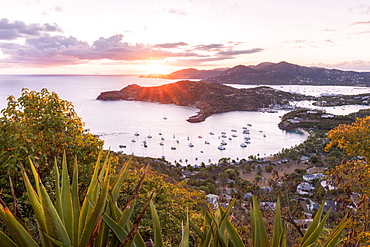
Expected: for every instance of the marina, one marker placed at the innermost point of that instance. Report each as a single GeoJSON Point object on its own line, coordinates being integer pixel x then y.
{"type": "Point", "coordinates": [138, 127]}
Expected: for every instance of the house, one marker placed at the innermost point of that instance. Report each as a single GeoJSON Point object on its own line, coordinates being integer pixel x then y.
{"type": "Point", "coordinates": [247, 195]}
{"type": "Point", "coordinates": [310, 177]}
{"type": "Point", "coordinates": [304, 188]}
{"type": "Point", "coordinates": [327, 115]}
{"type": "Point", "coordinates": [326, 185]}
{"type": "Point", "coordinates": [212, 199]}
{"type": "Point", "coordinates": [187, 174]}
{"type": "Point", "coordinates": [293, 121]}
{"type": "Point", "coordinates": [312, 112]}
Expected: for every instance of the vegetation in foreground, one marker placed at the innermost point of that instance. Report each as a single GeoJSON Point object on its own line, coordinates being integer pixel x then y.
{"type": "Point", "coordinates": [349, 177]}
{"type": "Point", "coordinates": [98, 221]}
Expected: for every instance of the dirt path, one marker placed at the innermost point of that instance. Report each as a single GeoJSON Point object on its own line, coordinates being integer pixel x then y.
{"type": "Point", "coordinates": [282, 168]}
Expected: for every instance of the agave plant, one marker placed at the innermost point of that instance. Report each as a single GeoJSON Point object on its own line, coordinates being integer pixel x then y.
{"type": "Point", "coordinates": [98, 221]}
{"type": "Point", "coordinates": [310, 238]}
{"type": "Point", "coordinates": [219, 231]}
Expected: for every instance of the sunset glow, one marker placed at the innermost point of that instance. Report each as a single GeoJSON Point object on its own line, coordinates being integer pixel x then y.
{"type": "Point", "coordinates": [117, 37]}
{"type": "Point", "coordinates": [155, 68]}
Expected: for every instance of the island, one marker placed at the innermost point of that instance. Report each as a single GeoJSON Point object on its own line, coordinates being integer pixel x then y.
{"type": "Point", "coordinates": [209, 98]}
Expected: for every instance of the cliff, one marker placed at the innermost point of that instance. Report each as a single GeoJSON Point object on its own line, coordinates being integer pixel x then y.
{"type": "Point", "coordinates": [210, 98]}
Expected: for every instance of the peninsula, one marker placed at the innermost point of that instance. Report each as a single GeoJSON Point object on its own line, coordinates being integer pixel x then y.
{"type": "Point", "coordinates": [209, 98]}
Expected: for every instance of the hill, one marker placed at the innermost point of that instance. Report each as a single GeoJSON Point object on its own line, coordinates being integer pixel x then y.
{"type": "Point", "coordinates": [187, 74]}
{"type": "Point", "coordinates": [210, 98]}
{"type": "Point", "coordinates": [286, 73]}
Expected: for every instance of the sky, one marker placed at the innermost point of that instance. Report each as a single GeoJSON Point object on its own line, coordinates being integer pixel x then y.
{"type": "Point", "coordinates": [115, 37]}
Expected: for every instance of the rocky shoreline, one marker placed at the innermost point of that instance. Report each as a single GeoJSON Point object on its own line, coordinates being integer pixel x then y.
{"type": "Point", "coordinates": [209, 98]}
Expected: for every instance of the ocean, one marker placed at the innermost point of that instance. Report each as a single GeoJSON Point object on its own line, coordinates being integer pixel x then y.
{"type": "Point", "coordinates": [157, 130]}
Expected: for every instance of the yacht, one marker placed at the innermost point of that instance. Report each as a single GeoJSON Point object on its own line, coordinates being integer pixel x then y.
{"type": "Point", "coordinates": [206, 142]}
{"type": "Point", "coordinates": [133, 140]}
{"type": "Point", "coordinates": [149, 136]}
{"type": "Point", "coordinates": [191, 145]}
{"type": "Point", "coordinates": [223, 143]}
{"type": "Point", "coordinates": [221, 147]}
{"type": "Point", "coordinates": [246, 131]}
{"type": "Point", "coordinates": [173, 148]}
{"type": "Point", "coordinates": [243, 145]}
{"type": "Point", "coordinates": [161, 143]}
{"type": "Point", "coordinates": [136, 134]}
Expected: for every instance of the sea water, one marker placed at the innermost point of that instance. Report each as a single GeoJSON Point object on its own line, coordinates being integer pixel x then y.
{"type": "Point", "coordinates": [127, 126]}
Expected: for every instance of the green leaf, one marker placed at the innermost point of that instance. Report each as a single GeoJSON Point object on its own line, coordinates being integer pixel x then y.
{"type": "Point", "coordinates": [260, 237]}
{"type": "Point", "coordinates": [234, 235]}
{"type": "Point", "coordinates": [185, 233]}
{"type": "Point", "coordinates": [333, 238]}
{"type": "Point", "coordinates": [75, 202]}
{"type": "Point", "coordinates": [118, 230]}
{"type": "Point", "coordinates": [97, 211]}
{"type": "Point", "coordinates": [67, 209]}
{"type": "Point", "coordinates": [158, 242]}
{"type": "Point", "coordinates": [119, 181]}
{"type": "Point", "coordinates": [278, 229]}
{"type": "Point", "coordinates": [5, 241]}
{"type": "Point", "coordinates": [20, 235]}
{"type": "Point", "coordinates": [54, 224]}
{"type": "Point", "coordinates": [314, 224]}
{"type": "Point", "coordinates": [316, 233]}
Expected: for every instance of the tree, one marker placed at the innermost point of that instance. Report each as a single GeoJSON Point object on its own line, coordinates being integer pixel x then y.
{"type": "Point", "coordinates": [42, 126]}
{"type": "Point", "coordinates": [353, 138]}
{"type": "Point", "coordinates": [352, 177]}
{"type": "Point", "coordinates": [315, 160]}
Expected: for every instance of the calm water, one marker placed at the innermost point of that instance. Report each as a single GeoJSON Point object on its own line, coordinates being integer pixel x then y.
{"type": "Point", "coordinates": [117, 122]}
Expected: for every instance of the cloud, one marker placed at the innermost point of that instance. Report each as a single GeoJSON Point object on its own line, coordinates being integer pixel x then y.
{"type": "Point", "coordinates": [173, 11]}
{"type": "Point", "coordinates": [42, 49]}
{"type": "Point", "coordinates": [329, 30]}
{"type": "Point", "coordinates": [58, 8]}
{"type": "Point", "coordinates": [170, 45]}
{"type": "Point", "coordinates": [356, 65]}
{"type": "Point", "coordinates": [210, 47]}
{"type": "Point", "coordinates": [361, 9]}
{"type": "Point", "coordinates": [60, 50]}
{"type": "Point", "coordinates": [360, 23]}
{"type": "Point", "coordinates": [17, 29]}
{"type": "Point", "coordinates": [239, 52]}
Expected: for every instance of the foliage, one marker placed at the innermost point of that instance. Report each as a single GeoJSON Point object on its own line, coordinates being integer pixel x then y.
{"type": "Point", "coordinates": [98, 221]}
{"type": "Point", "coordinates": [172, 200]}
{"type": "Point", "coordinates": [42, 126]}
{"type": "Point", "coordinates": [352, 177]}
{"type": "Point", "coordinates": [353, 138]}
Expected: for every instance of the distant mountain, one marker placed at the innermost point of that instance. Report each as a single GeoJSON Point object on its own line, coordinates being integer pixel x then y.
{"type": "Point", "coordinates": [286, 73]}
{"type": "Point", "coordinates": [188, 74]}
{"type": "Point", "coordinates": [210, 98]}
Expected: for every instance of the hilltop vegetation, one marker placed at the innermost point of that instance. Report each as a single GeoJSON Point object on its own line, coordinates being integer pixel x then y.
{"type": "Point", "coordinates": [210, 98]}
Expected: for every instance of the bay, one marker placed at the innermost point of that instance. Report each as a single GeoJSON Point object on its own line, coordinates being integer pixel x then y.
{"type": "Point", "coordinates": [117, 122]}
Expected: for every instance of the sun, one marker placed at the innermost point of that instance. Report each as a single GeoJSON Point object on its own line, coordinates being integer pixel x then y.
{"type": "Point", "coordinates": [155, 68]}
